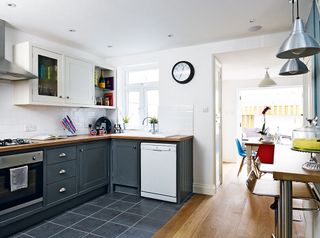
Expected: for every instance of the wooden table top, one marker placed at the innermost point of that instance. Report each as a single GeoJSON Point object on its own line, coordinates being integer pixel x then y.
{"type": "Point", "coordinates": [256, 142]}
{"type": "Point", "coordinates": [252, 142]}
{"type": "Point", "coordinates": [288, 165]}
{"type": "Point", "coordinates": [87, 138]}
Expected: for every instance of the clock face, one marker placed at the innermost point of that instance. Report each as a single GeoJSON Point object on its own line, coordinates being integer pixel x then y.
{"type": "Point", "coordinates": [183, 72]}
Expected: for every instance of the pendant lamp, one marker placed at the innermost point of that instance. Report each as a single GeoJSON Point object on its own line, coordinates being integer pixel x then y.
{"type": "Point", "coordinates": [299, 43]}
{"type": "Point", "coordinates": [293, 66]}
{"type": "Point", "coordinates": [267, 81]}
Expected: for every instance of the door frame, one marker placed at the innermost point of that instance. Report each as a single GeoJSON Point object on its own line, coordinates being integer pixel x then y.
{"type": "Point", "coordinates": [217, 162]}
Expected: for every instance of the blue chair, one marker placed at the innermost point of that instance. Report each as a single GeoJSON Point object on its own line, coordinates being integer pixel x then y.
{"type": "Point", "coordinates": [242, 153]}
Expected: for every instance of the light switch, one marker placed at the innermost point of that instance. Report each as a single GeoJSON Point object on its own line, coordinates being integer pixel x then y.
{"type": "Point", "coordinates": [30, 128]}
{"type": "Point", "coordinates": [205, 109]}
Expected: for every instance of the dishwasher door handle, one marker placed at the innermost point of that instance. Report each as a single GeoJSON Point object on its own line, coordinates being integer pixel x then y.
{"type": "Point", "coordinates": [161, 150]}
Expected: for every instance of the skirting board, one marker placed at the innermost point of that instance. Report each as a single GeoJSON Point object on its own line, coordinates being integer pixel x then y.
{"type": "Point", "coordinates": [206, 189]}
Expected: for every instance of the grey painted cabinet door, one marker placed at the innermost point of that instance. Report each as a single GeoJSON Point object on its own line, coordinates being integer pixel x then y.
{"type": "Point", "coordinates": [125, 163]}
{"type": "Point", "coordinates": [93, 161]}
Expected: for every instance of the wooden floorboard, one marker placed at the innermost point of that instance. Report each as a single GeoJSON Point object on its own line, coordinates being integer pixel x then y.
{"type": "Point", "coordinates": [232, 212]}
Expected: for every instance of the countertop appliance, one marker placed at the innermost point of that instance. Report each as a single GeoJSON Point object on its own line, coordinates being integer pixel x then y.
{"type": "Point", "coordinates": [33, 193]}
{"type": "Point", "coordinates": [103, 122]}
{"type": "Point", "coordinates": [159, 171]}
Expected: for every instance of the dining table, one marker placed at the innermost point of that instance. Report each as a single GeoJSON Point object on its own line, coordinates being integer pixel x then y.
{"type": "Point", "coordinates": [252, 145]}
{"type": "Point", "coordinates": [288, 168]}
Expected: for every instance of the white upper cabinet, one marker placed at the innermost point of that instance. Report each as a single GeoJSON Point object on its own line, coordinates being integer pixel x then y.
{"type": "Point", "coordinates": [79, 81]}
{"type": "Point", "coordinates": [62, 80]}
{"type": "Point", "coordinates": [49, 86]}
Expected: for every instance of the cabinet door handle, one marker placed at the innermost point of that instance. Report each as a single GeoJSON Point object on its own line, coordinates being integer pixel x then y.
{"type": "Point", "coordinates": [134, 147]}
{"type": "Point", "coordinates": [81, 150]}
{"type": "Point", "coordinates": [62, 171]}
{"type": "Point", "coordinates": [62, 155]}
{"type": "Point", "coordinates": [60, 96]}
{"type": "Point", "coordinates": [62, 190]}
{"type": "Point", "coordinates": [68, 97]}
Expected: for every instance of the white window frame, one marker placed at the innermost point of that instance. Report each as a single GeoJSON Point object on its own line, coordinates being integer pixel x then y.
{"type": "Point", "coordinates": [142, 88]}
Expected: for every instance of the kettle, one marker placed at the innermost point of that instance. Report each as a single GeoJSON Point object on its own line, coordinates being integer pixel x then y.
{"type": "Point", "coordinates": [103, 122]}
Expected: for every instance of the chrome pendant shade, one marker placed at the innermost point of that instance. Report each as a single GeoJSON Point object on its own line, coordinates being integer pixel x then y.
{"type": "Point", "coordinates": [298, 44]}
{"type": "Point", "coordinates": [293, 67]}
{"type": "Point", "coordinates": [267, 81]}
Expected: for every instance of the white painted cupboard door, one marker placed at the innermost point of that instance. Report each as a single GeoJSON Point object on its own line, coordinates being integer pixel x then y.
{"type": "Point", "coordinates": [79, 82]}
{"type": "Point", "coordinates": [48, 87]}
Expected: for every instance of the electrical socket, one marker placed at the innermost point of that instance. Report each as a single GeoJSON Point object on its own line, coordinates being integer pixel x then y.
{"type": "Point", "coordinates": [30, 128]}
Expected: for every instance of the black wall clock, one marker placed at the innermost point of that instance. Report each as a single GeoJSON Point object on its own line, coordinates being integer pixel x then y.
{"type": "Point", "coordinates": [183, 72]}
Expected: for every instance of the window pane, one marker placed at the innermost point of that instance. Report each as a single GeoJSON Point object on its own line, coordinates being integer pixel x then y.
{"type": "Point", "coordinates": [143, 76]}
{"type": "Point", "coordinates": [134, 108]}
{"type": "Point", "coordinates": [152, 103]}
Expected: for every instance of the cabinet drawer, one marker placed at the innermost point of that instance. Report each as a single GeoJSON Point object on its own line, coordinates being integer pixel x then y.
{"type": "Point", "coordinates": [60, 171]}
{"type": "Point", "coordinates": [61, 190]}
{"type": "Point", "coordinates": [61, 154]}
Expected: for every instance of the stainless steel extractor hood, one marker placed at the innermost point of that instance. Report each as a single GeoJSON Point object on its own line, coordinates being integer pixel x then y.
{"type": "Point", "coordinates": [8, 70]}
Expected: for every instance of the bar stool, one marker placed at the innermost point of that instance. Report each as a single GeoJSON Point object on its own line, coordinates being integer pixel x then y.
{"type": "Point", "coordinates": [271, 188]}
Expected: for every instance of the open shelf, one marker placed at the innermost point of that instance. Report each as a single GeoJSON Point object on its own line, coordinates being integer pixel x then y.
{"type": "Point", "coordinates": [105, 88]}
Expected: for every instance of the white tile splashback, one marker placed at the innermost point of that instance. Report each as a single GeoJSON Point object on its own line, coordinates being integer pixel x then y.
{"type": "Point", "coordinates": [176, 119]}
{"type": "Point", "coordinates": [13, 119]}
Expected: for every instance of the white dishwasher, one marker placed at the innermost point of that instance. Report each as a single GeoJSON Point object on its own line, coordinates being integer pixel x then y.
{"type": "Point", "coordinates": [159, 171]}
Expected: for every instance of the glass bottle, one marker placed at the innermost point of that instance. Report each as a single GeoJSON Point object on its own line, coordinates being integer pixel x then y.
{"type": "Point", "coordinates": [102, 82]}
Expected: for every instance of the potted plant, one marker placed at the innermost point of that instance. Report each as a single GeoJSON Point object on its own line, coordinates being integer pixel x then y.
{"type": "Point", "coordinates": [125, 121]}
{"type": "Point", "coordinates": [153, 121]}
{"type": "Point", "coordinates": [264, 129]}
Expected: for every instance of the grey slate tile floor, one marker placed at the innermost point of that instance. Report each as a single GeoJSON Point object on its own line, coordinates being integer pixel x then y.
{"type": "Point", "coordinates": [115, 215]}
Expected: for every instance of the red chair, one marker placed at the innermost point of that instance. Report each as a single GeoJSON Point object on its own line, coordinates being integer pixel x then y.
{"type": "Point", "coordinates": [264, 159]}
{"type": "Point", "coordinates": [265, 153]}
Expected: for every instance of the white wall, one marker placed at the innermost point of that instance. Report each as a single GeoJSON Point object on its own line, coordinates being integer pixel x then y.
{"type": "Point", "coordinates": [47, 119]}
{"type": "Point", "coordinates": [230, 110]}
{"type": "Point", "coordinates": [199, 92]}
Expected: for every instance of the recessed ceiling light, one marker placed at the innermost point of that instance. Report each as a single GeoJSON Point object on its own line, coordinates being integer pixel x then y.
{"type": "Point", "coordinates": [11, 4]}
{"type": "Point", "coordinates": [72, 30]}
{"type": "Point", "coordinates": [171, 35]}
{"type": "Point", "coordinates": [252, 20]}
{"type": "Point", "coordinates": [109, 46]}
{"type": "Point", "coordinates": [254, 28]}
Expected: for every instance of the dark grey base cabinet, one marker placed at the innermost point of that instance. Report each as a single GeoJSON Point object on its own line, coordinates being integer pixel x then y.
{"type": "Point", "coordinates": [60, 174]}
{"type": "Point", "coordinates": [75, 173]}
{"type": "Point", "coordinates": [125, 167]}
{"type": "Point", "coordinates": [93, 165]}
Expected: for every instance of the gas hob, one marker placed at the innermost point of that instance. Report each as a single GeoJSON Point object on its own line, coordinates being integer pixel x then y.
{"type": "Point", "coordinates": [17, 141]}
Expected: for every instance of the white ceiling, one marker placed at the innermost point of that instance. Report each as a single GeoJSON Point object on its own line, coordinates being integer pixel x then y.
{"type": "Point", "coordinates": [136, 26]}
{"type": "Point", "coordinates": [250, 64]}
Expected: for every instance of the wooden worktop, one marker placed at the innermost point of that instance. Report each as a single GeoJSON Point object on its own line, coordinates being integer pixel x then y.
{"type": "Point", "coordinates": [288, 165]}
{"type": "Point", "coordinates": [87, 138]}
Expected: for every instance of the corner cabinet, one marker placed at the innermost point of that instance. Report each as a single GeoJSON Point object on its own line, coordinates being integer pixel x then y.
{"type": "Point", "coordinates": [125, 164]}
{"type": "Point", "coordinates": [93, 161]}
{"type": "Point", "coordinates": [62, 80]}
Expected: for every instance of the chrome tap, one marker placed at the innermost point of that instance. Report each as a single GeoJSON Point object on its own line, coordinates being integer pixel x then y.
{"type": "Point", "coordinates": [144, 119]}
{"type": "Point", "coordinates": [153, 129]}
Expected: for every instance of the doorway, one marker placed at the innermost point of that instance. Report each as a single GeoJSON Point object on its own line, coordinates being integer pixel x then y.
{"type": "Point", "coordinates": [241, 73]}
